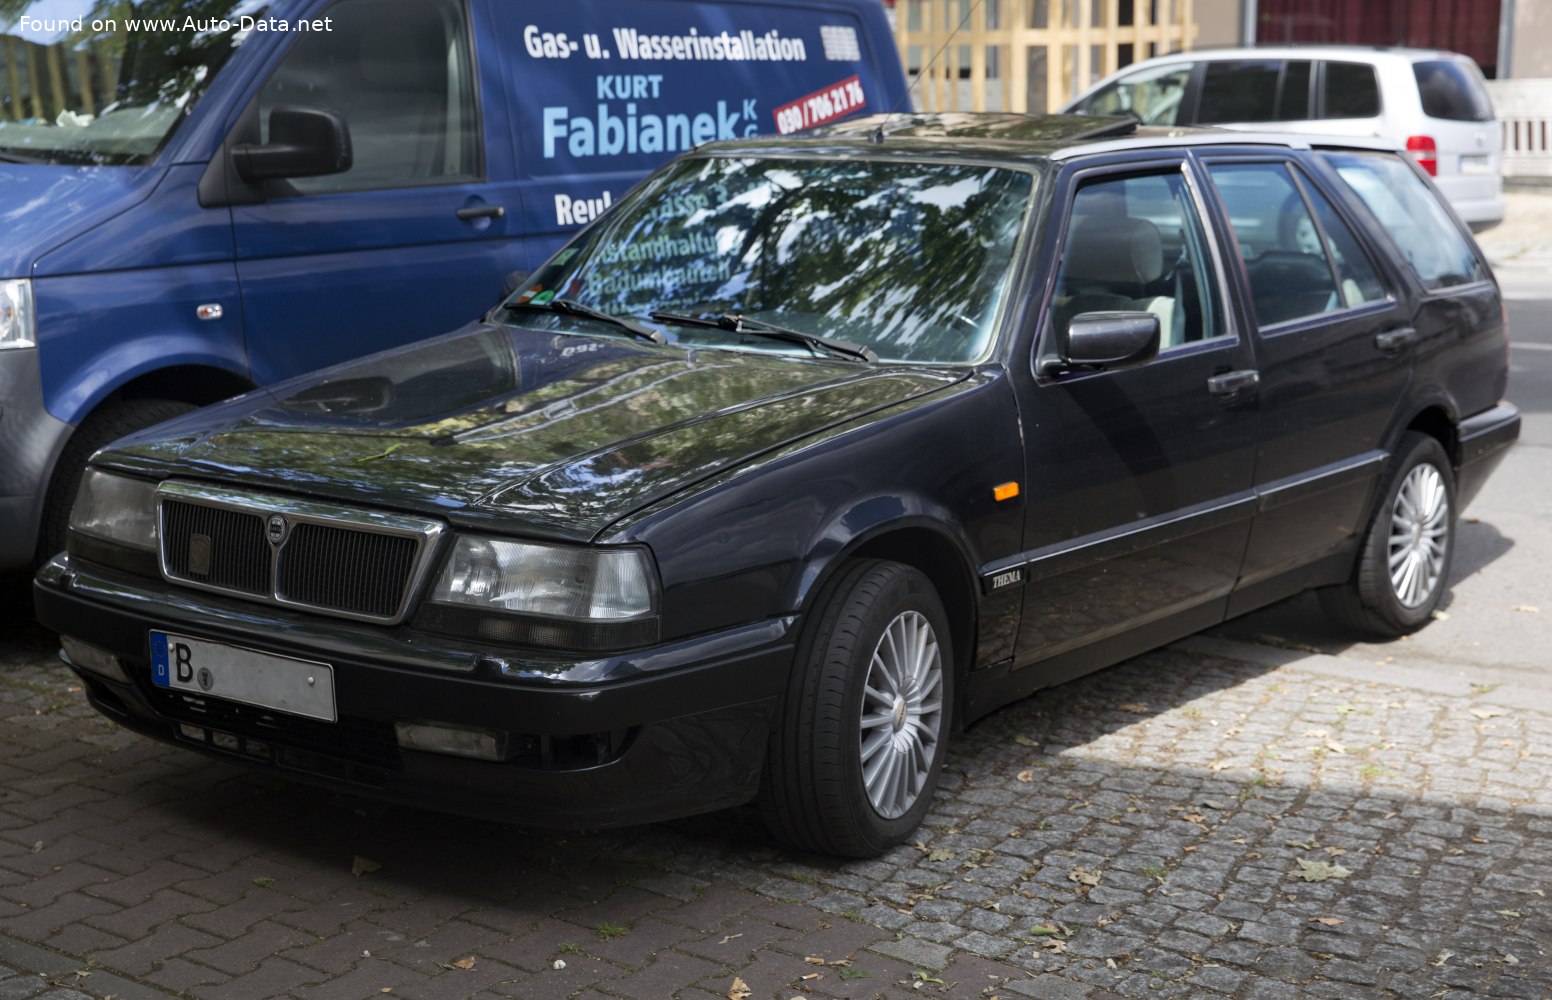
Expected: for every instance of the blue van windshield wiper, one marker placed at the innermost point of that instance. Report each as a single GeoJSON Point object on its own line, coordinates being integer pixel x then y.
{"type": "Point", "coordinates": [759, 328]}
{"type": "Point", "coordinates": [570, 307]}
{"type": "Point", "coordinates": [11, 156]}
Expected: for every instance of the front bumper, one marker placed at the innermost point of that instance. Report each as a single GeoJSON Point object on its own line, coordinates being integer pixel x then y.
{"type": "Point", "coordinates": [30, 442]}
{"type": "Point", "coordinates": [670, 731]}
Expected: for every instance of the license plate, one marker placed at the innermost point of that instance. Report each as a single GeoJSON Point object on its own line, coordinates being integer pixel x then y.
{"type": "Point", "coordinates": [1476, 164]}
{"type": "Point", "coordinates": [232, 673]}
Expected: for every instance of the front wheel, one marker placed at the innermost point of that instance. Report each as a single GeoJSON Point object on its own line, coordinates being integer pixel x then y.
{"type": "Point", "coordinates": [856, 757]}
{"type": "Point", "coordinates": [1405, 560]}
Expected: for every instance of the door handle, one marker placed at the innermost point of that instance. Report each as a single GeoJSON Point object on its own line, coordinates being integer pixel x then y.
{"type": "Point", "coordinates": [1395, 340]}
{"type": "Point", "coordinates": [471, 212]}
{"type": "Point", "coordinates": [1231, 384]}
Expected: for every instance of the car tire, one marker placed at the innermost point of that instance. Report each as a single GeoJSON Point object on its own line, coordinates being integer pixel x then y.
{"type": "Point", "coordinates": [103, 427]}
{"type": "Point", "coordinates": [1404, 564]}
{"type": "Point", "coordinates": [856, 756]}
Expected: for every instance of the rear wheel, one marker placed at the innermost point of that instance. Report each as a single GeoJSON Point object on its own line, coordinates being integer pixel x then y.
{"type": "Point", "coordinates": [1405, 560]}
{"type": "Point", "coordinates": [108, 424]}
{"type": "Point", "coordinates": [853, 765]}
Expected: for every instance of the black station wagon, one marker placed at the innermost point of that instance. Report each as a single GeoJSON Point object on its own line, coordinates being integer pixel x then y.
{"type": "Point", "coordinates": [810, 452]}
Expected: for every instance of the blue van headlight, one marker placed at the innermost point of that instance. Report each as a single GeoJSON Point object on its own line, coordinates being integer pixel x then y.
{"type": "Point", "coordinates": [17, 326]}
{"type": "Point", "coordinates": [554, 596]}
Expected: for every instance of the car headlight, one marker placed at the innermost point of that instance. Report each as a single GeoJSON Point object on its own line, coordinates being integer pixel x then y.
{"type": "Point", "coordinates": [536, 594]}
{"type": "Point", "coordinates": [113, 514]}
{"type": "Point", "coordinates": [17, 326]}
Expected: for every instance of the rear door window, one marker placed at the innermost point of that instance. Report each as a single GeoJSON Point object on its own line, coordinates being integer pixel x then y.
{"type": "Point", "coordinates": [1239, 90]}
{"type": "Point", "coordinates": [1421, 227]}
{"type": "Point", "coordinates": [1351, 91]}
{"type": "Point", "coordinates": [1451, 90]}
{"type": "Point", "coordinates": [1285, 258]}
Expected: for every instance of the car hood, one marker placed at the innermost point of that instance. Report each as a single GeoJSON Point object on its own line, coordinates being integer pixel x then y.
{"type": "Point", "coordinates": [564, 434]}
{"type": "Point", "coordinates": [44, 206]}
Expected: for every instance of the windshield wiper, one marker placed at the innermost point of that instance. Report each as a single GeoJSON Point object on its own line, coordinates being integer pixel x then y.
{"type": "Point", "coordinates": [759, 328]}
{"type": "Point", "coordinates": [570, 307]}
{"type": "Point", "coordinates": [10, 156]}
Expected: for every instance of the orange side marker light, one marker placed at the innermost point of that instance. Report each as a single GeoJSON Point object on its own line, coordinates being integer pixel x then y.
{"type": "Point", "coordinates": [1007, 491]}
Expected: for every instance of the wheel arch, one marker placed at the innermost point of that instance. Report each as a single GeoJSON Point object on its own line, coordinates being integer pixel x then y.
{"type": "Point", "coordinates": [925, 544]}
{"type": "Point", "coordinates": [1436, 421]}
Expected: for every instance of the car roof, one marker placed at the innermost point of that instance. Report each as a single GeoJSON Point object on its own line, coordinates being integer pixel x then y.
{"type": "Point", "coordinates": [964, 135]}
{"type": "Point", "coordinates": [1301, 51]}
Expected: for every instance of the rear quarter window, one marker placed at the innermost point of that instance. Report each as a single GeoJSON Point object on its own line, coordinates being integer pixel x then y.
{"type": "Point", "coordinates": [1452, 91]}
{"type": "Point", "coordinates": [1351, 91]}
{"type": "Point", "coordinates": [1419, 225]}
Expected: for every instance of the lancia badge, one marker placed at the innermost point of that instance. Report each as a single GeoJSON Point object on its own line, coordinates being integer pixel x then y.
{"type": "Point", "coordinates": [276, 529]}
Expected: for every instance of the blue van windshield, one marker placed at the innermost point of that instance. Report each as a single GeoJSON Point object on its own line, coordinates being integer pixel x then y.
{"type": "Point", "coordinates": [107, 81]}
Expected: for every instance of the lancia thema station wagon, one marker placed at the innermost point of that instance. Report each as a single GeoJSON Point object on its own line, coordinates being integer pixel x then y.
{"type": "Point", "coordinates": [809, 453]}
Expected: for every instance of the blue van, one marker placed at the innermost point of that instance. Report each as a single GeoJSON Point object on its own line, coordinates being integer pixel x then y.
{"type": "Point", "coordinates": [193, 205]}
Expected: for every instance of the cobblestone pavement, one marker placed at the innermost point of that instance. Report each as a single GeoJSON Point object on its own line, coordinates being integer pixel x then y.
{"type": "Point", "coordinates": [1192, 823]}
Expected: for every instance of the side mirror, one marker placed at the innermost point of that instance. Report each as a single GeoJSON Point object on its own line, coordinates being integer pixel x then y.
{"type": "Point", "coordinates": [1100, 340]}
{"type": "Point", "coordinates": [303, 142]}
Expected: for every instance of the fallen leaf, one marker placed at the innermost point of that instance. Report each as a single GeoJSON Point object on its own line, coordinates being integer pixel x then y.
{"type": "Point", "coordinates": [1316, 734]}
{"type": "Point", "coordinates": [1486, 713]}
{"type": "Point", "coordinates": [1335, 747]}
{"type": "Point", "coordinates": [1026, 776]}
{"type": "Point", "coordinates": [1510, 959]}
{"type": "Point", "coordinates": [37, 847]}
{"type": "Point", "coordinates": [1319, 871]}
{"type": "Point", "coordinates": [466, 963]}
{"type": "Point", "coordinates": [1085, 877]}
{"type": "Point", "coordinates": [1055, 946]}
{"type": "Point", "coordinates": [1303, 845]}
{"type": "Point", "coordinates": [1507, 913]}
{"type": "Point", "coordinates": [1335, 852]}
{"type": "Point", "coordinates": [1526, 609]}
{"type": "Point", "coordinates": [361, 866]}
{"type": "Point", "coordinates": [1135, 707]}
{"type": "Point", "coordinates": [1194, 818]}
{"type": "Point", "coordinates": [940, 854]}
{"type": "Point", "coordinates": [1043, 930]}
{"type": "Point", "coordinates": [1441, 958]}
{"type": "Point", "coordinates": [1328, 921]}
{"type": "Point", "coordinates": [739, 990]}
{"type": "Point", "coordinates": [1026, 741]}
{"type": "Point", "coordinates": [731, 937]}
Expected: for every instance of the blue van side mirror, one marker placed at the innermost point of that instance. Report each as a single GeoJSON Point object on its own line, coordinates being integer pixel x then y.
{"type": "Point", "coordinates": [303, 142]}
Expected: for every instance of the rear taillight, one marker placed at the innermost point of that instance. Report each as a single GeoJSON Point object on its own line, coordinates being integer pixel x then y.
{"type": "Point", "coordinates": [1425, 152]}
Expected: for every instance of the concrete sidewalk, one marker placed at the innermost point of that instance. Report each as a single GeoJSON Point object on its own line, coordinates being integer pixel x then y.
{"type": "Point", "coordinates": [1520, 248]}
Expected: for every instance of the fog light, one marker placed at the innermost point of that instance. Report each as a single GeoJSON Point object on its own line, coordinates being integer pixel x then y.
{"type": "Point", "coordinates": [481, 744]}
{"type": "Point", "coordinates": [89, 657]}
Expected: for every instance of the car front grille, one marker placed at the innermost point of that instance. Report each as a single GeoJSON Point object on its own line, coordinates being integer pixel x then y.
{"type": "Point", "coordinates": [357, 571]}
{"type": "Point", "coordinates": [350, 563]}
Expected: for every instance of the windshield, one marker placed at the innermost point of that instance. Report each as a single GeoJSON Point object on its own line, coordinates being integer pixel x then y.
{"type": "Point", "coordinates": [909, 259]}
{"type": "Point", "coordinates": [106, 82]}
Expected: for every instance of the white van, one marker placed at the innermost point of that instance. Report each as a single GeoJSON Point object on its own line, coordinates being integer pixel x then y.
{"type": "Point", "coordinates": [1432, 104]}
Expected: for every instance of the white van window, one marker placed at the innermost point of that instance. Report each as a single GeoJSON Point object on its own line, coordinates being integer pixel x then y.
{"type": "Point", "coordinates": [399, 73]}
{"type": "Point", "coordinates": [1453, 91]}
{"type": "Point", "coordinates": [1351, 91]}
{"type": "Point", "coordinates": [1239, 90]}
{"type": "Point", "coordinates": [1152, 96]}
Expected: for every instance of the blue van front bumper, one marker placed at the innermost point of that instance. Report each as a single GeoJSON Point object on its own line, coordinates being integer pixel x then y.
{"type": "Point", "coordinates": [669, 731]}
